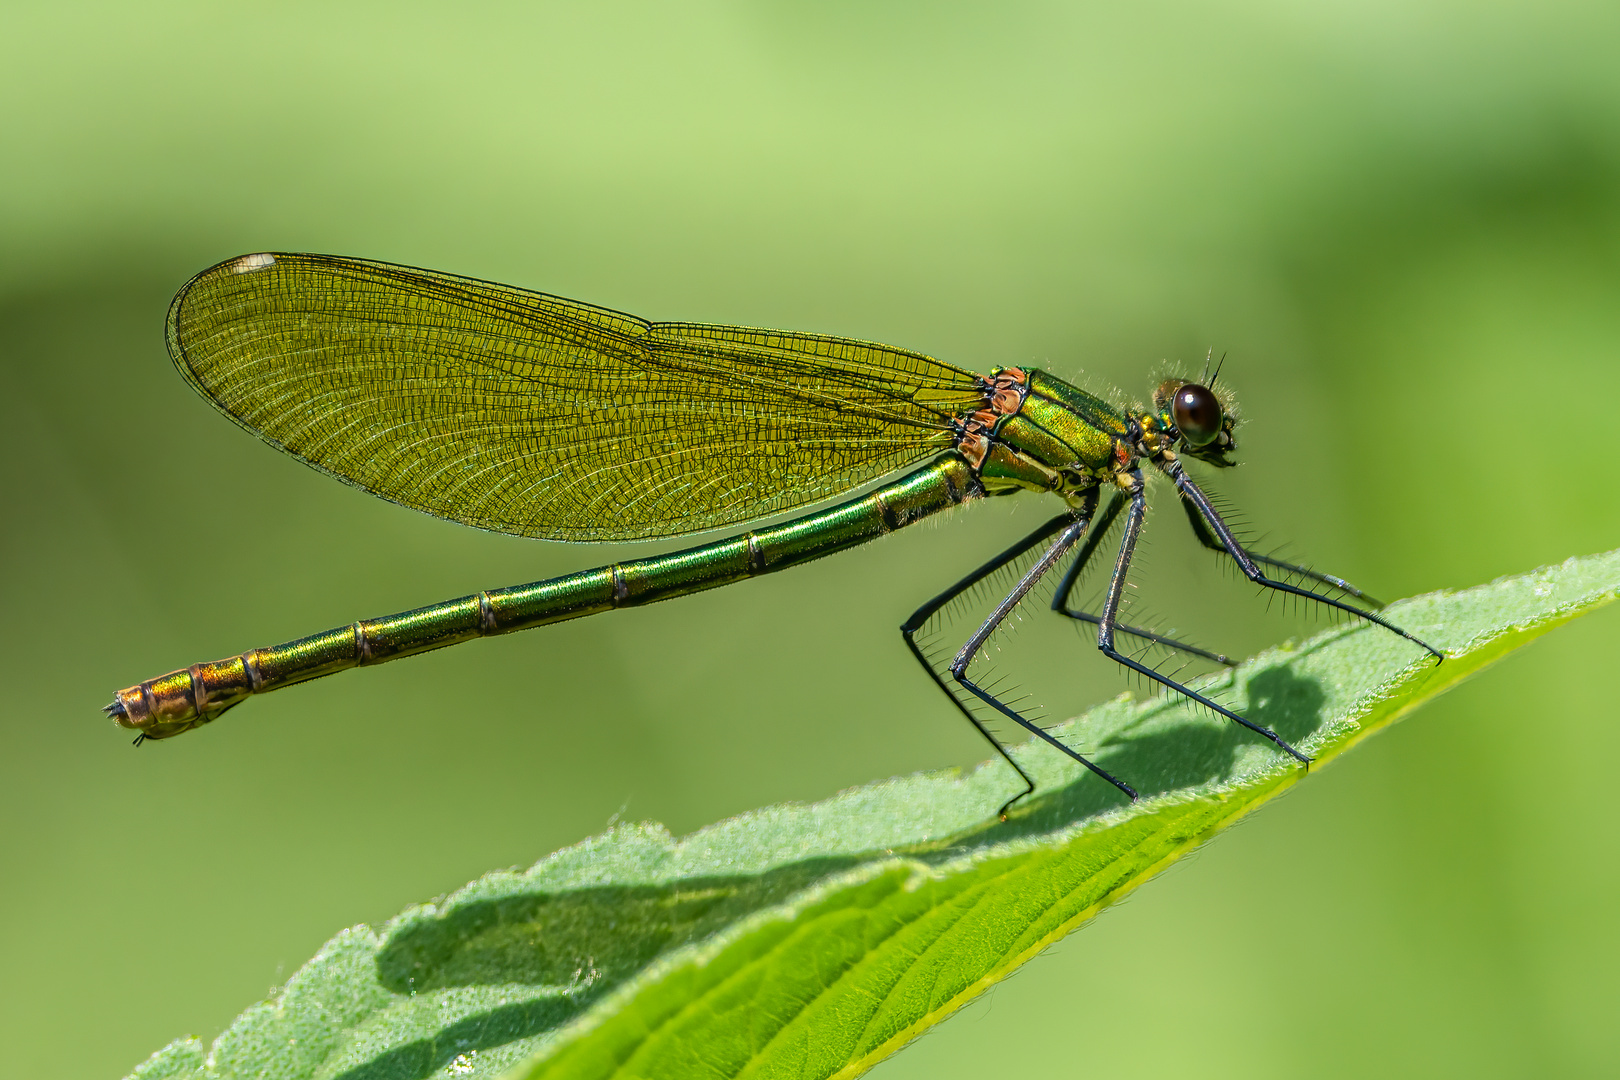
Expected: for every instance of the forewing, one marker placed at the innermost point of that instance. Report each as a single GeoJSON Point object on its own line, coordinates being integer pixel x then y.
{"type": "Point", "coordinates": [530, 414]}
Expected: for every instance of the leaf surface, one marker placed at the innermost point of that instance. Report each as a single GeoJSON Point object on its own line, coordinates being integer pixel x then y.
{"type": "Point", "coordinates": [815, 940]}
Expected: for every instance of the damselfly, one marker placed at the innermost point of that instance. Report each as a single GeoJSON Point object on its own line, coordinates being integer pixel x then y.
{"type": "Point", "coordinates": [538, 416]}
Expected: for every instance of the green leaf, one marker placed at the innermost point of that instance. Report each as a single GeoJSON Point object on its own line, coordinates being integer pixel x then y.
{"type": "Point", "coordinates": [813, 941]}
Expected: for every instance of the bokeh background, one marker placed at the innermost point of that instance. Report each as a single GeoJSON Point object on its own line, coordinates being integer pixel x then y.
{"type": "Point", "coordinates": [1400, 220]}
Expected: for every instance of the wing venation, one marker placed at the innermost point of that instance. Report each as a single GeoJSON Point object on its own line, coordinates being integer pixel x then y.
{"type": "Point", "coordinates": [531, 414]}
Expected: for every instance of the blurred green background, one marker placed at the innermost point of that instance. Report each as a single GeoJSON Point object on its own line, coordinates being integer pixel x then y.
{"type": "Point", "coordinates": [1400, 220]}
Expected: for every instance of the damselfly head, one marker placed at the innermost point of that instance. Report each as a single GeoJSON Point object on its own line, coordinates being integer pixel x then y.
{"type": "Point", "coordinates": [1201, 419]}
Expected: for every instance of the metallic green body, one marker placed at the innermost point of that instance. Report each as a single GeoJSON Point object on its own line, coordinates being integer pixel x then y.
{"type": "Point", "coordinates": [182, 700]}
{"type": "Point", "coordinates": [1061, 439]}
{"type": "Point", "coordinates": [541, 416]}
{"type": "Point", "coordinates": [1068, 428]}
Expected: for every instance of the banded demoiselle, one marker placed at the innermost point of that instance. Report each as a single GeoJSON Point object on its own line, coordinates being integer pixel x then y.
{"type": "Point", "coordinates": [534, 415]}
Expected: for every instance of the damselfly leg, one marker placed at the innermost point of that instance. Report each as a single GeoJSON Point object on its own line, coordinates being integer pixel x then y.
{"type": "Point", "coordinates": [1250, 565]}
{"type": "Point", "coordinates": [920, 617]}
{"type": "Point", "coordinates": [1067, 537]}
{"type": "Point", "coordinates": [1213, 542]}
{"type": "Point", "coordinates": [1094, 538]}
{"type": "Point", "coordinates": [1093, 535]}
{"type": "Point", "coordinates": [1135, 514]}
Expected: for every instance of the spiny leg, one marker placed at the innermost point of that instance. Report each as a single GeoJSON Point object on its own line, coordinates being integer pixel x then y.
{"type": "Point", "coordinates": [1108, 624]}
{"type": "Point", "coordinates": [1094, 535]}
{"type": "Point", "coordinates": [1066, 539]}
{"type": "Point", "coordinates": [1156, 639]}
{"type": "Point", "coordinates": [1193, 494]}
{"type": "Point", "coordinates": [1213, 542]}
{"type": "Point", "coordinates": [920, 617]}
{"type": "Point", "coordinates": [1094, 538]}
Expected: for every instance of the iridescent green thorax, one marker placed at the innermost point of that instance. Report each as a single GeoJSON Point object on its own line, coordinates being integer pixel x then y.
{"type": "Point", "coordinates": [1039, 433]}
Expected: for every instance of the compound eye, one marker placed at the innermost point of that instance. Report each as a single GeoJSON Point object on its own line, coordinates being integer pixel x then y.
{"type": "Point", "coordinates": [1197, 414]}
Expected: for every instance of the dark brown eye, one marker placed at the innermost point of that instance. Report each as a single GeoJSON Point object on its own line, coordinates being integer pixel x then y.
{"type": "Point", "coordinates": [1197, 414]}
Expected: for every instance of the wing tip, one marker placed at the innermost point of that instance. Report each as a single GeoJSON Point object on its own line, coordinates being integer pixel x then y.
{"type": "Point", "coordinates": [246, 264]}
